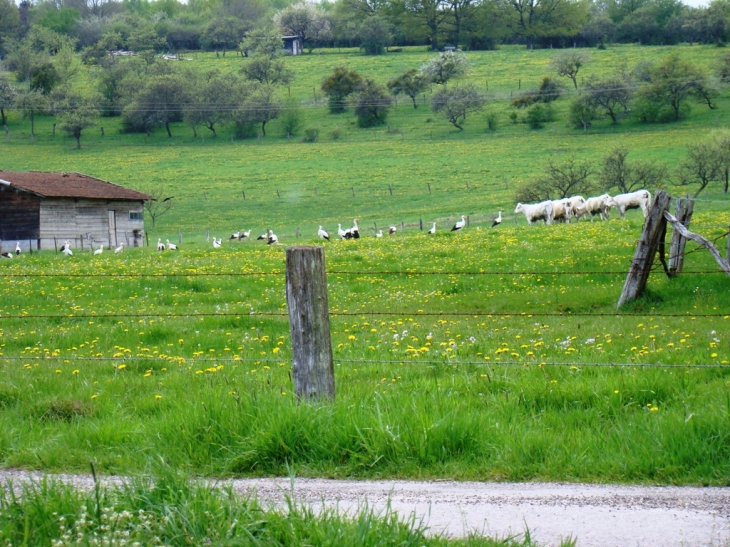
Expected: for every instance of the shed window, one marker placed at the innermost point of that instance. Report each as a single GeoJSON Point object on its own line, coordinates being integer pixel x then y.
{"type": "Point", "coordinates": [136, 215]}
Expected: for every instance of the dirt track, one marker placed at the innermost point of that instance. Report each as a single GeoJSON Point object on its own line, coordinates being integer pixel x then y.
{"type": "Point", "coordinates": [597, 515]}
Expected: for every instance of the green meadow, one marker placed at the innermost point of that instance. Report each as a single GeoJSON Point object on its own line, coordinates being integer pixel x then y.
{"type": "Point", "coordinates": [489, 354]}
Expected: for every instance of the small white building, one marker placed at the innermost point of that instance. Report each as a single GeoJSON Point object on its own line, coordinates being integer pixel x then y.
{"type": "Point", "coordinates": [293, 44]}
{"type": "Point", "coordinates": [42, 210]}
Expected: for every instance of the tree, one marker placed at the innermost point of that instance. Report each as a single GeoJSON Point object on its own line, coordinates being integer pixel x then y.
{"type": "Point", "coordinates": [263, 42]}
{"type": "Point", "coordinates": [569, 63]}
{"type": "Point", "coordinates": [411, 83]}
{"type": "Point", "coordinates": [9, 22]}
{"type": "Point", "coordinates": [460, 11]}
{"type": "Point", "coordinates": [560, 180]}
{"type": "Point", "coordinates": [224, 33]}
{"type": "Point", "coordinates": [607, 96]}
{"type": "Point", "coordinates": [624, 177]}
{"type": "Point", "coordinates": [268, 70]}
{"type": "Point", "coordinates": [455, 103]}
{"type": "Point", "coordinates": [701, 167]}
{"type": "Point", "coordinates": [550, 90]}
{"type": "Point", "coordinates": [721, 144]}
{"type": "Point", "coordinates": [7, 97]}
{"type": "Point", "coordinates": [31, 102]}
{"type": "Point", "coordinates": [338, 86]}
{"type": "Point", "coordinates": [160, 102]}
{"type": "Point", "coordinates": [445, 67]}
{"type": "Point", "coordinates": [372, 104]}
{"type": "Point", "coordinates": [306, 20]}
{"type": "Point", "coordinates": [259, 107]}
{"type": "Point", "coordinates": [374, 35]}
{"type": "Point", "coordinates": [531, 19]}
{"type": "Point", "coordinates": [671, 84]}
{"type": "Point", "coordinates": [78, 113]}
{"type": "Point", "coordinates": [431, 13]}
{"type": "Point", "coordinates": [213, 102]}
{"type": "Point", "coordinates": [161, 204]}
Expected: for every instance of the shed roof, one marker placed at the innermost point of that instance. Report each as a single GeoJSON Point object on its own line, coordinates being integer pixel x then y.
{"type": "Point", "coordinates": [68, 185]}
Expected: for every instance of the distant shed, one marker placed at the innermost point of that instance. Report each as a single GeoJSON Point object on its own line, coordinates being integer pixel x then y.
{"type": "Point", "coordinates": [41, 210]}
{"type": "Point", "coordinates": [293, 44]}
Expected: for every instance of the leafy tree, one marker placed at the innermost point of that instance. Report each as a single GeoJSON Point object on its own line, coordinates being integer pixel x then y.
{"type": "Point", "coordinates": [599, 29]}
{"type": "Point", "coordinates": [672, 83]}
{"type": "Point", "coordinates": [224, 33]}
{"type": "Point", "coordinates": [431, 14]}
{"type": "Point", "coordinates": [455, 103]}
{"type": "Point", "coordinates": [411, 83]}
{"type": "Point", "coordinates": [445, 66]}
{"type": "Point", "coordinates": [263, 42]}
{"type": "Point", "coordinates": [78, 113]}
{"type": "Point", "coordinates": [532, 19]}
{"type": "Point", "coordinates": [7, 97]}
{"type": "Point", "coordinates": [213, 102]}
{"type": "Point", "coordinates": [9, 22]}
{"type": "Point", "coordinates": [338, 86]}
{"type": "Point", "coordinates": [375, 35]}
{"type": "Point", "coordinates": [259, 107]}
{"type": "Point", "coordinates": [701, 167]}
{"type": "Point", "coordinates": [31, 102]}
{"type": "Point", "coordinates": [159, 102]}
{"type": "Point", "coordinates": [372, 104]}
{"type": "Point", "coordinates": [145, 38]}
{"type": "Point", "coordinates": [550, 90]}
{"type": "Point", "coordinates": [44, 78]}
{"type": "Point", "coordinates": [721, 144]}
{"type": "Point", "coordinates": [268, 70]}
{"type": "Point", "coordinates": [460, 12]}
{"type": "Point", "coordinates": [63, 20]}
{"type": "Point", "coordinates": [624, 177]}
{"type": "Point", "coordinates": [706, 89]}
{"type": "Point", "coordinates": [568, 64]}
{"type": "Point", "coordinates": [291, 119]}
{"type": "Point", "coordinates": [582, 113]}
{"type": "Point", "coordinates": [307, 20]}
{"type": "Point", "coordinates": [67, 65]}
{"type": "Point", "coordinates": [608, 96]}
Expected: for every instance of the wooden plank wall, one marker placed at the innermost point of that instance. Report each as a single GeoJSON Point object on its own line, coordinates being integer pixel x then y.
{"type": "Point", "coordinates": [19, 219]}
{"type": "Point", "coordinates": [74, 220]}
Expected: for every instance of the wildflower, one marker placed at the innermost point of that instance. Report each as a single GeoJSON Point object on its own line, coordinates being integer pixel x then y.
{"type": "Point", "coordinates": [158, 397]}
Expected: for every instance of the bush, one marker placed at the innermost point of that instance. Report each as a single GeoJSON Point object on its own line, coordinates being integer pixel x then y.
{"type": "Point", "coordinates": [310, 135]}
{"type": "Point", "coordinates": [244, 130]}
{"type": "Point", "coordinates": [291, 120]}
{"type": "Point", "coordinates": [336, 134]}
{"type": "Point", "coordinates": [538, 115]}
{"type": "Point", "coordinates": [492, 121]}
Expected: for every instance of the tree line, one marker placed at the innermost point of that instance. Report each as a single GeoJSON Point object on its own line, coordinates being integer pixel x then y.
{"type": "Point", "coordinates": [373, 25]}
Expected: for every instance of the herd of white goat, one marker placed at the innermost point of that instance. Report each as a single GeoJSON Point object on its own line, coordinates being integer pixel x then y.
{"type": "Point", "coordinates": [576, 207]}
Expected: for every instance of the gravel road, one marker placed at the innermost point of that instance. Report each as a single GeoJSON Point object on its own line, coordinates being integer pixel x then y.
{"type": "Point", "coordinates": [596, 515]}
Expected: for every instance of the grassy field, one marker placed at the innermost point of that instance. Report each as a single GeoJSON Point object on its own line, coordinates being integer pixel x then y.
{"type": "Point", "coordinates": [487, 354]}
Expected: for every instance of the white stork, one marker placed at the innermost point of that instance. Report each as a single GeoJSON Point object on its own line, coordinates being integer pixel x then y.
{"type": "Point", "coordinates": [392, 230]}
{"type": "Point", "coordinates": [459, 225]}
{"type": "Point", "coordinates": [264, 236]}
{"type": "Point", "coordinates": [379, 233]}
{"type": "Point", "coordinates": [216, 243]}
{"type": "Point", "coordinates": [17, 247]}
{"type": "Point", "coordinates": [340, 232]}
{"type": "Point", "coordinates": [64, 246]}
{"type": "Point", "coordinates": [355, 230]}
{"type": "Point", "coordinates": [432, 230]}
{"type": "Point", "coordinates": [245, 234]}
{"type": "Point", "coordinates": [234, 235]}
{"type": "Point", "coordinates": [67, 250]}
{"type": "Point", "coordinates": [99, 250]}
{"type": "Point", "coordinates": [171, 246]}
{"type": "Point", "coordinates": [498, 220]}
{"type": "Point", "coordinates": [323, 233]}
{"type": "Point", "coordinates": [272, 239]}
{"type": "Point", "coordinates": [6, 255]}
{"type": "Point", "coordinates": [160, 245]}
{"type": "Point", "coordinates": [119, 249]}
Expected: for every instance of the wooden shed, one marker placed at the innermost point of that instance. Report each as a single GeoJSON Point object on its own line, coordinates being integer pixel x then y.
{"type": "Point", "coordinates": [293, 44]}
{"type": "Point", "coordinates": [41, 210]}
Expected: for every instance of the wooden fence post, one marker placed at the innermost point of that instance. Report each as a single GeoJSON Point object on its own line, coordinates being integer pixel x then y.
{"type": "Point", "coordinates": [654, 226]}
{"type": "Point", "coordinates": [309, 323]}
{"type": "Point", "coordinates": [676, 249]}
{"type": "Point", "coordinates": [727, 253]}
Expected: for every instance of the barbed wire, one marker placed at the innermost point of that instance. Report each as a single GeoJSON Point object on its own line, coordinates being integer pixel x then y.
{"type": "Point", "coordinates": [410, 361]}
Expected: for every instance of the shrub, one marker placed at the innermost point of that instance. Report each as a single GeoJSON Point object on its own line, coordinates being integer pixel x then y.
{"type": "Point", "coordinates": [538, 115]}
{"type": "Point", "coordinates": [291, 120]}
{"type": "Point", "coordinates": [336, 134]}
{"type": "Point", "coordinates": [492, 121]}
{"type": "Point", "coordinates": [310, 135]}
{"type": "Point", "coordinates": [245, 130]}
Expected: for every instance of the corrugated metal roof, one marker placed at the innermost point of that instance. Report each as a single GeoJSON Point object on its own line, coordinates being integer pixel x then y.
{"type": "Point", "coordinates": [69, 185]}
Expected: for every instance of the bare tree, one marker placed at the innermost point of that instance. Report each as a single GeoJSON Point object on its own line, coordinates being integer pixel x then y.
{"type": "Point", "coordinates": [618, 173]}
{"type": "Point", "coordinates": [610, 96]}
{"type": "Point", "coordinates": [569, 63]}
{"type": "Point", "coordinates": [161, 204]}
{"type": "Point", "coordinates": [701, 167]}
{"type": "Point", "coordinates": [560, 180]}
{"type": "Point", "coordinates": [721, 142]}
{"type": "Point", "coordinates": [454, 103]}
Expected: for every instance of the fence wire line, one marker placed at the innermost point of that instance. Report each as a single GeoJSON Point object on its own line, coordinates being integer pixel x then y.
{"type": "Point", "coordinates": [509, 363]}
{"type": "Point", "coordinates": [336, 272]}
{"type": "Point", "coordinates": [364, 314]}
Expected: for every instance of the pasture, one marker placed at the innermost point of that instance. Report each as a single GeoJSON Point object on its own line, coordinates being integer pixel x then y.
{"type": "Point", "coordinates": [485, 354]}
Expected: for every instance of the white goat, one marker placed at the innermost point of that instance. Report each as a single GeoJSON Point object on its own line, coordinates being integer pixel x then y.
{"type": "Point", "coordinates": [640, 199]}
{"type": "Point", "coordinates": [536, 211]}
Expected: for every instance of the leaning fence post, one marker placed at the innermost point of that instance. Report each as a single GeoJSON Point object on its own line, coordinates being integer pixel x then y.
{"type": "Point", "coordinates": [683, 213]}
{"type": "Point", "coordinates": [309, 324]}
{"type": "Point", "coordinates": [646, 248]}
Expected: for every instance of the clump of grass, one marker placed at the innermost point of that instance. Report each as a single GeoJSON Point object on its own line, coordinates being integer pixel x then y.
{"type": "Point", "coordinates": [65, 410]}
{"type": "Point", "coordinates": [310, 135]}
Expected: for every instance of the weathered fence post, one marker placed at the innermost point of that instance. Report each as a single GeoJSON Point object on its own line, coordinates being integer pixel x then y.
{"type": "Point", "coordinates": [676, 248]}
{"type": "Point", "coordinates": [654, 226]}
{"type": "Point", "coordinates": [309, 323]}
{"type": "Point", "coordinates": [727, 253]}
